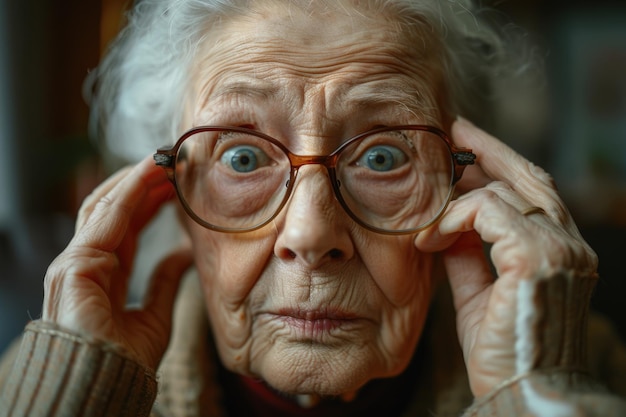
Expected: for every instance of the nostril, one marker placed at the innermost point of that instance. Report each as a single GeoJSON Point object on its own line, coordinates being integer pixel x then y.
{"type": "Point", "coordinates": [335, 254]}
{"type": "Point", "coordinates": [290, 254]}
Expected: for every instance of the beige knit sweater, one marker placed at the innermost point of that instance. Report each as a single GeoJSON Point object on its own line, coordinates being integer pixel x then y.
{"type": "Point", "coordinates": [52, 372]}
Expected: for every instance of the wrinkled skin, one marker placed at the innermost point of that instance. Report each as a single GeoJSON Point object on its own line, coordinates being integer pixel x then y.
{"type": "Point", "coordinates": [313, 303]}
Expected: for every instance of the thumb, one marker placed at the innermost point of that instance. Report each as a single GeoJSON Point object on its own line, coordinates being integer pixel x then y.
{"type": "Point", "coordinates": [468, 270]}
{"type": "Point", "coordinates": [471, 282]}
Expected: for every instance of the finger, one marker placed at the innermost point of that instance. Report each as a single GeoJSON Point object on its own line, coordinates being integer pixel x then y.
{"type": "Point", "coordinates": [501, 163]}
{"type": "Point", "coordinates": [473, 178]}
{"type": "Point", "coordinates": [432, 240]}
{"type": "Point", "coordinates": [504, 191]}
{"type": "Point", "coordinates": [145, 186]}
{"type": "Point", "coordinates": [125, 252]}
{"type": "Point", "coordinates": [468, 270]}
{"type": "Point", "coordinates": [111, 229]}
{"type": "Point", "coordinates": [101, 190]}
{"type": "Point", "coordinates": [498, 160]}
{"type": "Point", "coordinates": [522, 246]}
{"type": "Point", "coordinates": [142, 215]}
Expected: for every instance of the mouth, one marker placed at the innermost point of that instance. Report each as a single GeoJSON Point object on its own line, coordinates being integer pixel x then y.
{"type": "Point", "coordinates": [312, 325]}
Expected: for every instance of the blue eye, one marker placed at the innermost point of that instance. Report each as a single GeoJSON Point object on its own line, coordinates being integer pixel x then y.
{"type": "Point", "coordinates": [382, 158]}
{"type": "Point", "coordinates": [244, 158]}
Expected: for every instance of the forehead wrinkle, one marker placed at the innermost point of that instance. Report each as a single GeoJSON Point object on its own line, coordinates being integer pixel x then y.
{"type": "Point", "coordinates": [252, 39]}
{"type": "Point", "coordinates": [334, 98]}
{"type": "Point", "coordinates": [390, 50]}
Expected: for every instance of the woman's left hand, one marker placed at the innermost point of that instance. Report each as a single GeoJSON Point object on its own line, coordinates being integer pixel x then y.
{"type": "Point", "coordinates": [500, 319]}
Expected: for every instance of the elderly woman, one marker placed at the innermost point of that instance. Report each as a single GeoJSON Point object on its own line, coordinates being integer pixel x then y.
{"type": "Point", "coordinates": [325, 189]}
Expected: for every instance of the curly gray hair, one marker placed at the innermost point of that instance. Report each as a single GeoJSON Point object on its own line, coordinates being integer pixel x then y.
{"type": "Point", "coordinates": [136, 92]}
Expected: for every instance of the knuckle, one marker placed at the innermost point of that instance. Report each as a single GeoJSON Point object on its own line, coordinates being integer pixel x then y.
{"type": "Point", "coordinates": [542, 175]}
{"type": "Point", "coordinates": [590, 256]}
{"type": "Point", "coordinates": [85, 208]}
{"type": "Point", "coordinates": [499, 186]}
{"type": "Point", "coordinates": [58, 268]}
{"type": "Point", "coordinates": [571, 253]}
{"type": "Point", "coordinates": [103, 203]}
{"type": "Point", "coordinates": [489, 195]}
{"type": "Point", "coordinates": [107, 205]}
{"type": "Point", "coordinates": [558, 212]}
{"type": "Point", "coordinates": [543, 253]}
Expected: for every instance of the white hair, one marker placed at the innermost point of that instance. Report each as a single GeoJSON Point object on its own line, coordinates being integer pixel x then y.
{"type": "Point", "coordinates": [137, 92]}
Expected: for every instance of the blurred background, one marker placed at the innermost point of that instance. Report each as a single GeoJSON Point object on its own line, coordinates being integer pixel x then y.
{"type": "Point", "coordinates": [573, 123]}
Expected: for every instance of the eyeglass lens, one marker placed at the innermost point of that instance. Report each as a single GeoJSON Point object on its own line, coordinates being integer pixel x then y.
{"type": "Point", "coordinates": [393, 180]}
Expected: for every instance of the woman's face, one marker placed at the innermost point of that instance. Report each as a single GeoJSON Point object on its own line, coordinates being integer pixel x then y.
{"type": "Point", "coordinates": [312, 302]}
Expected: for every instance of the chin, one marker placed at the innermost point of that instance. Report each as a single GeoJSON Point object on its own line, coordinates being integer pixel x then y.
{"type": "Point", "coordinates": [330, 385]}
{"type": "Point", "coordinates": [321, 370]}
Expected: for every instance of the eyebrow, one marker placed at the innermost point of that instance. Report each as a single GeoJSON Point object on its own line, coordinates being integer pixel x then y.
{"type": "Point", "coordinates": [387, 92]}
{"type": "Point", "coordinates": [252, 88]}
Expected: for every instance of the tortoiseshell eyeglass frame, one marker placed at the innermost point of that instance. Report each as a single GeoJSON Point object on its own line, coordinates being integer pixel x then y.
{"type": "Point", "coordinates": [461, 157]}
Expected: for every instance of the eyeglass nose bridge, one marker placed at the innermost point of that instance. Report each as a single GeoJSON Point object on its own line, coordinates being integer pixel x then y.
{"type": "Point", "coordinates": [330, 163]}
{"type": "Point", "coordinates": [298, 161]}
{"type": "Point", "coordinates": [327, 161]}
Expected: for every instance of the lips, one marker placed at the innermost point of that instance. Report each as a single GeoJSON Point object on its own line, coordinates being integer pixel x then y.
{"type": "Point", "coordinates": [316, 324]}
{"type": "Point", "coordinates": [314, 315]}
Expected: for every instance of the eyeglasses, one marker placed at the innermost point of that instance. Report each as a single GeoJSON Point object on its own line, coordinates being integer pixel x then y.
{"type": "Point", "coordinates": [390, 180]}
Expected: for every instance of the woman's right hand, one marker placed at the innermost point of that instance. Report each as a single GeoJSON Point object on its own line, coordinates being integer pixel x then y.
{"type": "Point", "coordinates": [86, 286]}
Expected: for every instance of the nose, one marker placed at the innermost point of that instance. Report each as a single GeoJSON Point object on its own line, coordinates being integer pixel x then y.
{"type": "Point", "coordinates": [313, 230]}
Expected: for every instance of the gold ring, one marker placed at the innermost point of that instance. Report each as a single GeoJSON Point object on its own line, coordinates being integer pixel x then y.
{"type": "Point", "coordinates": [533, 210]}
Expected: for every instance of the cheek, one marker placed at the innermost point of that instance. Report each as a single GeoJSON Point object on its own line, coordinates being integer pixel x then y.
{"type": "Point", "coordinates": [229, 266]}
{"type": "Point", "coordinates": [403, 274]}
{"type": "Point", "coordinates": [405, 278]}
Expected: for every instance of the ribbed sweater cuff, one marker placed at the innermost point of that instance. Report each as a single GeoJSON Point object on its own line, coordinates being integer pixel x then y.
{"type": "Point", "coordinates": [58, 373]}
{"type": "Point", "coordinates": [551, 349]}
{"type": "Point", "coordinates": [549, 393]}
